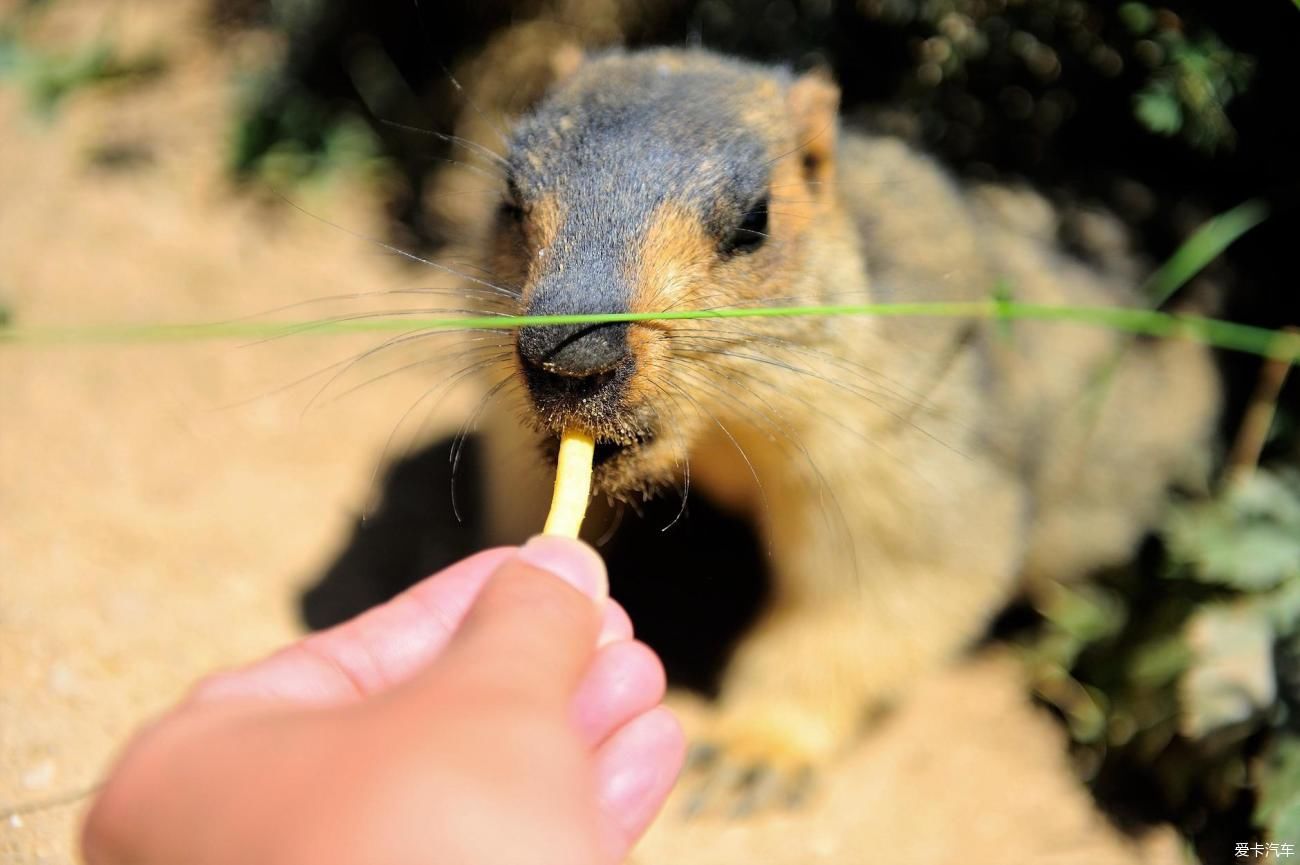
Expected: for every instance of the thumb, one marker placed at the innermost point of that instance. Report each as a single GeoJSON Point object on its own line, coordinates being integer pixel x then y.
{"type": "Point", "coordinates": [532, 629]}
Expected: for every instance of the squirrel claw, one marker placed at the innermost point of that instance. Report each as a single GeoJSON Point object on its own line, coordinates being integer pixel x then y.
{"type": "Point", "coordinates": [738, 781]}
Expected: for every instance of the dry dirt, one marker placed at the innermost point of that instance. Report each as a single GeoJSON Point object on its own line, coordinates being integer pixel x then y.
{"type": "Point", "coordinates": [149, 531]}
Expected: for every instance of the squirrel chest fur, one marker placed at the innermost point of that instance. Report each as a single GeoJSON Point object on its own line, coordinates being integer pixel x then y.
{"type": "Point", "coordinates": [905, 474]}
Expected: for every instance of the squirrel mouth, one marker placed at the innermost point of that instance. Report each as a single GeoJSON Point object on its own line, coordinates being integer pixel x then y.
{"type": "Point", "coordinates": [607, 451]}
{"type": "Point", "coordinates": [610, 453]}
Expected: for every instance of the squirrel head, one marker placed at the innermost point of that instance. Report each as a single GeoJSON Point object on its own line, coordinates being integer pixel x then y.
{"type": "Point", "coordinates": [651, 181]}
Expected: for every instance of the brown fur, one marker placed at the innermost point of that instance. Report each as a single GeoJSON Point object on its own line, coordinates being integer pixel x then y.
{"type": "Point", "coordinates": [907, 474]}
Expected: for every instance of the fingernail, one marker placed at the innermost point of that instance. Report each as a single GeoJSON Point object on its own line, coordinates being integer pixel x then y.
{"type": "Point", "coordinates": [572, 561]}
{"type": "Point", "coordinates": [614, 627]}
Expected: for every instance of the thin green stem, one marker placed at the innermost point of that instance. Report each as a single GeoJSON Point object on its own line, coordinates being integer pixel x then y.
{"type": "Point", "coordinates": [1202, 247]}
{"type": "Point", "coordinates": [1211, 331]}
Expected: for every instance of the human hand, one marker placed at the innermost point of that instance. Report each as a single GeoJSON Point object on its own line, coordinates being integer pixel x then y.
{"type": "Point", "coordinates": [491, 714]}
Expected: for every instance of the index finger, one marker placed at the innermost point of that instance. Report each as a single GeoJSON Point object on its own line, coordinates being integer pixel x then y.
{"type": "Point", "coordinates": [382, 646]}
{"type": "Point", "coordinates": [373, 651]}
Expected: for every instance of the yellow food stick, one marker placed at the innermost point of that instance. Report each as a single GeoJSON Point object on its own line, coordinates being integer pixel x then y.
{"type": "Point", "coordinates": [572, 484]}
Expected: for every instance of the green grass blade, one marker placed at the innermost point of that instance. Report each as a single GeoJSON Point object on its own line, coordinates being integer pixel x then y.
{"type": "Point", "coordinates": [1202, 247]}
{"type": "Point", "coordinates": [1206, 244]}
{"type": "Point", "coordinates": [1214, 332]}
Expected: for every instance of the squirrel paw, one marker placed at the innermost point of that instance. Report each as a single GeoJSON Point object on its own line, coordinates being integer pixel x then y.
{"type": "Point", "coordinates": [754, 761]}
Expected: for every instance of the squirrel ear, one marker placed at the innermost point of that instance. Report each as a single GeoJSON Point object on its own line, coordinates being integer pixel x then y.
{"type": "Point", "coordinates": [814, 102]}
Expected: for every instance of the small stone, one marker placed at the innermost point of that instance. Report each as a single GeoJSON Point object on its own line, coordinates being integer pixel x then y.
{"type": "Point", "coordinates": [15, 821]}
{"type": "Point", "coordinates": [62, 680]}
{"type": "Point", "coordinates": [40, 776]}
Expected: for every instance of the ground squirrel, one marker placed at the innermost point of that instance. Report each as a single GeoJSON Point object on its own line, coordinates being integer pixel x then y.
{"type": "Point", "coordinates": [906, 475]}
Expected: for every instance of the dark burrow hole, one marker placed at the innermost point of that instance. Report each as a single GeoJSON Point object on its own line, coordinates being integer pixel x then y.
{"type": "Point", "coordinates": [691, 590]}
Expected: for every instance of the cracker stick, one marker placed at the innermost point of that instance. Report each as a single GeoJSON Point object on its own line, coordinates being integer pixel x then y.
{"type": "Point", "coordinates": [572, 484]}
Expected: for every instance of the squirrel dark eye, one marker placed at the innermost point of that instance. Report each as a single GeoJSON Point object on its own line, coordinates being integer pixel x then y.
{"type": "Point", "coordinates": [512, 207]}
{"type": "Point", "coordinates": [750, 233]}
{"type": "Point", "coordinates": [512, 211]}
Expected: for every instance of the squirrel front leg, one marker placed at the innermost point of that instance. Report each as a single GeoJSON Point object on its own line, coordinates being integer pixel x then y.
{"type": "Point", "coordinates": [861, 605]}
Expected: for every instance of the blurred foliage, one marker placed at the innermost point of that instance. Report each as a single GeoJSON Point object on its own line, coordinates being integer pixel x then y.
{"type": "Point", "coordinates": [304, 140]}
{"type": "Point", "coordinates": [49, 78]}
{"type": "Point", "coordinates": [1011, 71]}
{"type": "Point", "coordinates": [1195, 681]}
{"type": "Point", "coordinates": [284, 137]}
{"type": "Point", "coordinates": [1192, 81]}
{"type": "Point", "coordinates": [1183, 75]}
{"type": "Point", "coordinates": [1247, 540]}
{"type": "Point", "coordinates": [1279, 801]}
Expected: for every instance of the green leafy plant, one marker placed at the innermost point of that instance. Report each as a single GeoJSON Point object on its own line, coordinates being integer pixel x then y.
{"type": "Point", "coordinates": [1188, 680]}
{"type": "Point", "coordinates": [49, 77]}
{"type": "Point", "coordinates": [1192, 79]}
{"type": "Point", "coordinates": [1247, 541]}
{"type": "Point", "coordinates": [282, 143]}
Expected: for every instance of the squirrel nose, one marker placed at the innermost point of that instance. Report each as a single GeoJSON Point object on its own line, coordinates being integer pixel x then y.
{"type": "Point", "coordinates": [574, 351]}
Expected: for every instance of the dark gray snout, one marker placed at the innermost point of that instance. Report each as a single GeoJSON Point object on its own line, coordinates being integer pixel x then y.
{"type": "Point", "coordinates": [579, 367]}
{"type": "Point", "coordinates": [575, 368]}
{"type": "Point", "coordinates": [575, 350]}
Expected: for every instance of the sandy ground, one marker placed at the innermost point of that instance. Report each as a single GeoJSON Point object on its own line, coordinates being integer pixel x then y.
{"type": "Point", "coordinates": [149, 531]}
